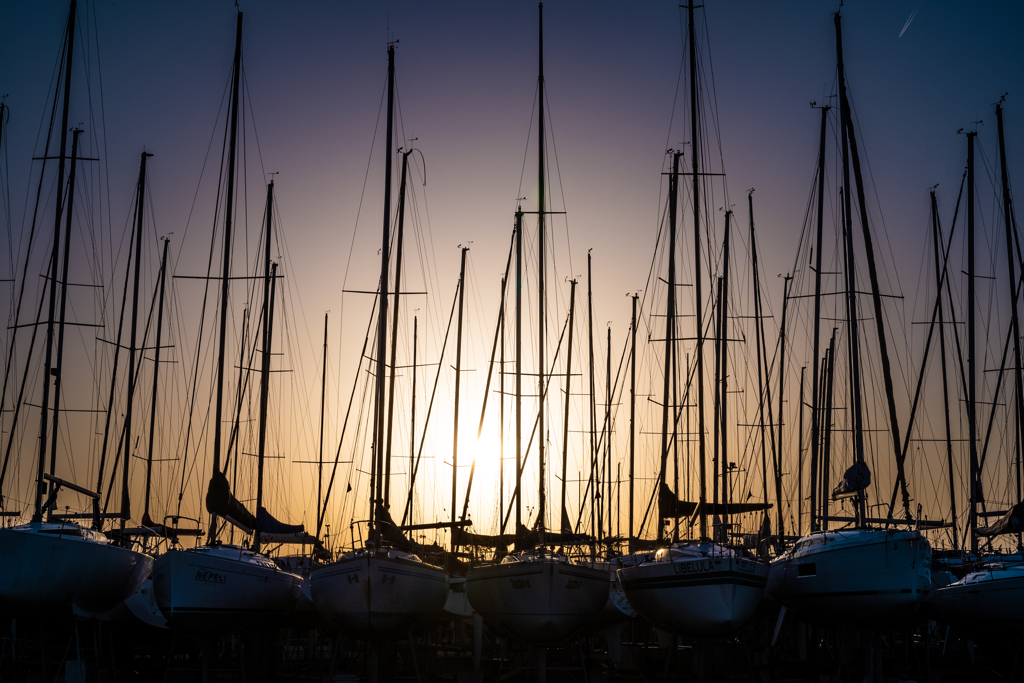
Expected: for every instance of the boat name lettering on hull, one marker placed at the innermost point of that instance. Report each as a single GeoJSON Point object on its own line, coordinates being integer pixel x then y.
{"type": "Point", "coordinates": [520, 583]}
{"type": "Point", "coordinates": [210, 577]}
{"type": "Point", "coordinates": [698, 567]}
{"type": "Point", "coordinates": [388, 578]}
{"type": "Point", "coordinates": [574, 584]}
{"type": "Point", "coordinates": [352, 578]}
{"type": "Point", "coordinates": [745, 566]}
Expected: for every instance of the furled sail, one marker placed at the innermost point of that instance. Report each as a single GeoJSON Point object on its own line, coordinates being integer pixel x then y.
{"type": "Point", "coordinates": [273, 531]}
{"type": "Point", "coordinates": [530, 538]}
{"type": "Point", "coordinates": [670, 507]}
{"type": "Point", "coordinates": [462, 537]}
{"type": "Point", "coordinates": [855, 480]}
{"type": "Point", "coordinates": [219, 501]}
{"type": "Point", "coordinates": [1010, 523]}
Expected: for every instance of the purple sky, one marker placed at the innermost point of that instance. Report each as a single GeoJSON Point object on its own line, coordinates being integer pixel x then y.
{"type": "Point", "coordinates": [466, 81]}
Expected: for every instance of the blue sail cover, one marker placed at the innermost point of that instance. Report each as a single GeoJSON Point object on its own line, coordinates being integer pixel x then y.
{"type": "Point", "coordinates": [273, 531]}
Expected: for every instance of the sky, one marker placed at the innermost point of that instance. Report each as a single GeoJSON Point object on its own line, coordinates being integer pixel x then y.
{"type": "Point", "coordinates": [467, 74]}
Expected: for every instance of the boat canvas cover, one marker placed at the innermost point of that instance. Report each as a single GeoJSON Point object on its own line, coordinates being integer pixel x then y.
{"type": "Point", "coordinates": [670, 507]}
{"type": "Point", "coordinates": [273, 531]}
{"type": "Point", "coordinates": [1010, 523]}
{"type": "Point", "coordinates": [855, 479]}
{"type": "Point", "coordinates": [531, 538]}
{"type": "Point", "coordinates": [219, 501]}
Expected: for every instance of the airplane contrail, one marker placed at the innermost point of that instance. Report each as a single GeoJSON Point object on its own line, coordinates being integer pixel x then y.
{"type": "Point", "coordinates": [912, 15]}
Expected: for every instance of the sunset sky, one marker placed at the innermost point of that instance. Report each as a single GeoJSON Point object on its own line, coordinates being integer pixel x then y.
{"type": "Point", "coordinates": [467, 73]}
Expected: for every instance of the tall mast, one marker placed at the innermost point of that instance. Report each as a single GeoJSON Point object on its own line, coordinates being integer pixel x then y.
{"type": "Point", "coordinates": [782, 377]}
{"type": "Point", "coordinates": [519, 368]}
{"type": "Point", "coordinates": [816, 338]}
{"type": "Point", "coordinates": [972, 391]}
{"type": "Point", "coordinates": [377, 488]}
{"type": "Point", "coordinates": [268, 320]}
{"type": "Point", "coordinates": [1018, 383]}
{"type": "Point", "coordinates": [762, 386]}
{"type": "Point", "coordinates": [269, 283]}
{"type": "Point", "coordinates": [800, 460]}
{"type": "Point", "coordinates": [608, 431]}
{"type": "Point", "coordinates": [226, 267]}
{"type": "Point", "coordinates": [458, 378]}
{"type": "Point", "coordinates": [541, 268]}
{"type": "Point", "coordinates": [937, 240]}
{"type": "Point", "coordinates": [59, 370]}
{"type": "Point", "coordinates": [412, 420]}
{"type": "Point", "coordinates": [716, 459]}
{"type": "Point", "coordinates": [698, 276]}
{"type": "Point", "coordinates": [568, 396]}
{"type": "Point", "coordinates": [594, 514]}
{"type": "Point", "coordinates": [876, 297]}
{"type": "Point", "coordinates": [632, 418]}
{"type": "Point", "coordinates": [394, 326]}
{"type": "Point", "coordinates": [853, 338]}
{"type": "Point", "coordinates": [670, 325]}
{"type": "Point", "coordinates": [724, 361]}
{"type": "Point", "coordinates": [830, 364]}
{"type": "Point", "coordinates": [69, 50]}
{"type": "Point", "coordinates": [501, 412]}
{"type": "Point", "coordinates": [320, 458]}
{"type": "Point", "coordinates": [140, 207]}
{"type": "Point", "coordinates": [156, 378]}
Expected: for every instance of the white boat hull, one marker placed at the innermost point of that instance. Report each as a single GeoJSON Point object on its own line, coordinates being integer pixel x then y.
{"type": "Point", "coordinates": [696, 596]}
{"type": "Point", "coordinates": [989, 599]}
{"type": "Point", "coordinates": [868, 577]}
{"type": "Point", "coordinates": [142, 604]}
{"type": "Point", "coordinates": [378, 595]}
{"type": "Point", "coordinates": [457, 603]}
{"type": "Point", "coordinates": [217, 587]}
{"type": "Point", "coordinates": [53, 566]}
{"type": "Point", "coordinates": [539, 601]}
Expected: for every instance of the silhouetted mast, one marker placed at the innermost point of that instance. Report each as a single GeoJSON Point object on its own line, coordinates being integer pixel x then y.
{"type": "Point", "coordinates": [69, 50]}
{"type": "Point", "coordinates": [724, 376]}
{"type": "Point", "coordinates": [853, 337]}
{"type": "Point", "coordinates": [269, 286]}
{"type": "Point", "coordinates": [972, 392]}
{"type": "Point", "coordinates": [670, 328]}
{"type": "Point", "coordinates": [1018, 383]}
{"type": "Point", "coordinates": [816, 339]}
{"type": "Point", "coordinates": [937, 240]}
{"type": "Point", "coordinates": [632, 419]}
{"type": "Point", "coordinates": [458, 384]}
{"type": "Point", "coordinates": [394, 326]}
{"type": "Point", "coordinates": [226, 267]}
{"type": "Point", "coordinates": [541, 267]}
{"type": "Point", "coordinates": [156, 377]}
{"type": "Point", "coordinates": [568, 395]}
{"type": "Point", "coordinates": [876, 297]}
{"type": "Point", "coordinates": [377, 487]}
{"type": "Point", "coordinates": [698, 276]}
{"type": "Point", "coordinates": [320, 458]}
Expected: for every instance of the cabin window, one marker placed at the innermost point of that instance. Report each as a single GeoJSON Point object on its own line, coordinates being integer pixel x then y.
{"type": "Point", "coordinates": [807, 569]}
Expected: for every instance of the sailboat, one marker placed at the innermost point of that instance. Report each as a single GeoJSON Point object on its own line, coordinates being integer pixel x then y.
{"type": "Point", "coordinates": [537, 595]}
{"type": "Point", "coordinates": [380, 590]}
{"type": "Point", "coordinates": [700, 586]}
{"type": "Point", "coordinates": [867, 575]}
{"type": "Point", "coordinates": [990, 595]}
{"type": "Point", "coordinates": [53, 563]}
{"type": "Point", "coordinates": [220, 585]}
